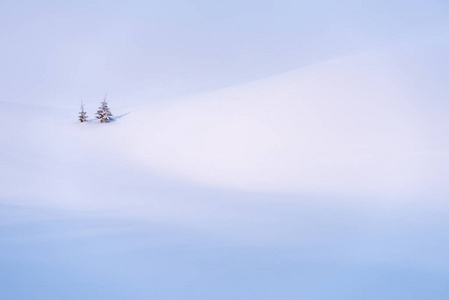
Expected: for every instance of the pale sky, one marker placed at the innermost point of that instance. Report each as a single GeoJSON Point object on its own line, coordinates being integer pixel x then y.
{"type": "Point", "coordinates": [58, 52]}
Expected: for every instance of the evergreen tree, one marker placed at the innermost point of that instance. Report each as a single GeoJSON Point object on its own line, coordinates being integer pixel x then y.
{"type": "Point", "coordinates": [83, 115]}
{"type": "Point", "coordinates": [103, 113]}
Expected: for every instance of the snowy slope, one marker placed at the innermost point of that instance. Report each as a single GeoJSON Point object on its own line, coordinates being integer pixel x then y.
{"type": "Point", "coordinates": [358, 124]}
{"type": "Point", "coordinates": [217, 182]}
{"type": "Point", "coordinates": [361, 124]}
{"type": "Point", "coordinates": [330, 176]}
{"type": "Point", "coordinates": [371, 124]}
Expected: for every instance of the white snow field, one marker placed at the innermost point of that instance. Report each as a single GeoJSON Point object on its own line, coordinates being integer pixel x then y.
{"type": "Point", "coordinates": [326, 182]}
{"type": "Point", "coordinates": [359, 124]}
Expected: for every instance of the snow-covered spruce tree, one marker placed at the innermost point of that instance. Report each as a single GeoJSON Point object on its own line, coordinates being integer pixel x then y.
{"type": "Point", "coordinates": [103, 113]}
{"type": "Point", "coordinates": [83, 115]}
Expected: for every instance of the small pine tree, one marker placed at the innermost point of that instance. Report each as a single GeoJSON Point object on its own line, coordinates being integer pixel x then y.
{"type": "Point", "coordinates": [103, 113]}
{"type": "Point", "coordinates": [83, 115]}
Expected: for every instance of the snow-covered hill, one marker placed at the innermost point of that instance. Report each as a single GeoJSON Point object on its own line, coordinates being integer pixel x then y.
{"type": "Point", "coordinates": [335, 174]}
{"type": "Point", "coordinates": [372, 124]}
{"type": "Point", "coordinates": [367, 123]}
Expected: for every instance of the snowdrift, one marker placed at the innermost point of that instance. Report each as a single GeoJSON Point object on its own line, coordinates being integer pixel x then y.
{"type": "Point", "coordinates": [372, 125]}
{"type": "Point", "coordinates": [364, 123]}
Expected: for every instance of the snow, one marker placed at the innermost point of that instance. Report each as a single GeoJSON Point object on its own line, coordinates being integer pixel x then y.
{"type": "Point", "coordinates": [347, 125]}
{"type": "Point", "coordinates": [321, 183]}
